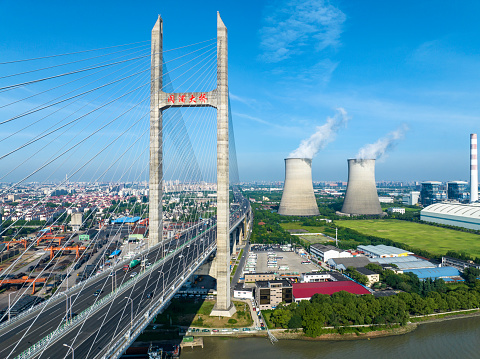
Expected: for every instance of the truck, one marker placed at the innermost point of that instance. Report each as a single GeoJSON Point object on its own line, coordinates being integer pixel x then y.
{"type": "Point", "coordinates": [134, 263]}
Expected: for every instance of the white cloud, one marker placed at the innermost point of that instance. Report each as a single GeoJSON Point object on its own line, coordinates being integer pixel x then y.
{"type": "Point", "coordinates": [296, 26]}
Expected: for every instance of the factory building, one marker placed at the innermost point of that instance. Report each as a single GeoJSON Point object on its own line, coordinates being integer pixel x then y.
{"type": "Point", "coordinates": [361, 197]}
{"type": "Point", "coordinates": [453, 214]}
{"type": "Point", "coordinates": [448, 274]}
{"type": "Point", "coordinates": [305, 291]}
{"type": "Point", "coordinates": [382, 251]}
{"type": "Point", "coordinates": [324, 253]}
{"type": "Point", "coordinates": [404, 263]}
{"type": "Point", "coordinates": [431, 193]}
{"type": "Point", "coordinates": [457, 191]}
{"type": "Point", "coordinates": [343, 263]}
{"type": "Point", "coordinates": [298, 198]}
{"type": "Point", "coordinates": [321, 277]}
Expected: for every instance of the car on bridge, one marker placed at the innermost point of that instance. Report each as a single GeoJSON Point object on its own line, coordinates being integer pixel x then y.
{"type": "Point", "coordinates": [133, 274]}
{"type": "Point", "coordinates": [97, 292]}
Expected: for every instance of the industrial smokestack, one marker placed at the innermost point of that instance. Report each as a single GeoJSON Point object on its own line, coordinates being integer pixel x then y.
{"type": "Point", "coordinates": [473, 168]}
{"type": "Point", "coordinates": [298, 198]}
{"type": "Point", "coordinates": [361, 196]}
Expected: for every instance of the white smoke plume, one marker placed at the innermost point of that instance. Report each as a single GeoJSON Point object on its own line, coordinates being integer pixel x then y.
{"type": "Point", "coordinates": [325, 134]}
{"type": "Point", "coordinates": [378, 149]}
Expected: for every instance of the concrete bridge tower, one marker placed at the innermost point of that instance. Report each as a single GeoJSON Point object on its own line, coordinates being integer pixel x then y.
{"type": "Point", "coordinates": [217, 98]}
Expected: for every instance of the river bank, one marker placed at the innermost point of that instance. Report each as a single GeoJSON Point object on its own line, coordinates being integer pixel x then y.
{"type": "Point", "coordinates": [377, 333]}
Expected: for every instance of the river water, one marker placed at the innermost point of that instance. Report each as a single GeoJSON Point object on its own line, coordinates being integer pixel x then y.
{"type": "Point", "coordinates": [458, 338]}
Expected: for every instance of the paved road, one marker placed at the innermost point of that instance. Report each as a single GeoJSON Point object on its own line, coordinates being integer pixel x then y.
{"type": "Point", "coordinates": [96, 333]}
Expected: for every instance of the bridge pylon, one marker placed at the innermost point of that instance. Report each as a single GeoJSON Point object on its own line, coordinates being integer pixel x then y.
{"type": "Point", "coordinates": [218, 98]}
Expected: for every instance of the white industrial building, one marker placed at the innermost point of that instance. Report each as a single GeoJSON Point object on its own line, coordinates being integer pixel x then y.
{"type": "Point", "coordinates": [396, 210]}
{"type": "Point", "coordinates": [405, 263]}
{"type": "Point", "coordinates": [382, 251]}
{"type": "Point", "coordinates": [324, 253]}
{"type": "Point", "coordinates": [412, 198]}
{"type": "Point", "coordinates": [453, 214]}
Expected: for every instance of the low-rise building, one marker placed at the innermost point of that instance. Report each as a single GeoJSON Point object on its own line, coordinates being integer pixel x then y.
{"type": "Point", "coordinates": [255, 277]}
{"type": "Point", "coordinates": [396, 210]}
{"type": "Point", "coordinates": [268, 294]}
{"type": "Point", "coordinates": [321, 277]}
{"type": "Point", "coordinates": [458, 263]}
{"type": "Point", "coordinates": [405, 263]}
{"type": "Point", "coordinates": [305, 291]}
{"type": "Point", "coordinates": [371, 275]}
{"type": "Point", "coordinates": [448, 274]}
{"type": "Point", "coordinates": [344, 263]}
{"type": "Point", "coordinates": [325, 252]}
{"type": "Point", "coordinates": [382, 251]}
{"type": "Point", "coordinates": [240, 292]}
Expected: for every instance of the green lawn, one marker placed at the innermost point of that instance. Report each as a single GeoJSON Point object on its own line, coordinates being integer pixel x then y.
{"type": "Point", "coordinates": [433, 239]}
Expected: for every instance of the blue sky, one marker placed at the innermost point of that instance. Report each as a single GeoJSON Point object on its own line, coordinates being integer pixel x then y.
{"type": "Point", "coordinates": [292, 63]}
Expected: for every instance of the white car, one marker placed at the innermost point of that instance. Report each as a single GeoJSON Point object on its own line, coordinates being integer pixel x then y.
{"type": "Point", "coordinates": [133, 274]}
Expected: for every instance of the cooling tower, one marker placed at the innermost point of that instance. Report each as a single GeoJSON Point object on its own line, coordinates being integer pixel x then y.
{"type": "Point", "coordinates": [361, 196]}
{"type": "Point", "coordinates": [298, 198]}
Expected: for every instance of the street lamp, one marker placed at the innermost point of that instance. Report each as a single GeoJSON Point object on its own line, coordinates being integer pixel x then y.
{"type": "Point", "coordinates": [131, 313]}
{"type": "Point", "coordinates": [66, 305]}
{"type": "Point", "coordinates": [163, 283]}
{"type": "Point", "coordinates": [9, 294]}
{"type": "Point", "coordinates": [114, 278]}
{"type": "Point", "coordinates": [68, 346]}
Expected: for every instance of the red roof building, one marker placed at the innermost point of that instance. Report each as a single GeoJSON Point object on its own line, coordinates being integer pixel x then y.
{"type": "Point", "coordinates": [304, 291]}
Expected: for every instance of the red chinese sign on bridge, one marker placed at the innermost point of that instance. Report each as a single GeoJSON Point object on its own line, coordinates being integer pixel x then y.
{"type": "Point", "coordinates": [193, 99]}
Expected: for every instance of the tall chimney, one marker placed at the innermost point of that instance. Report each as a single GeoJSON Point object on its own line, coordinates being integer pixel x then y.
{"type": "Point", "coordinates": [361, 196]}
{"type": "Point", "coordinates": [298, 198]}
{"type": "Point", "coordinates": [473, 168]}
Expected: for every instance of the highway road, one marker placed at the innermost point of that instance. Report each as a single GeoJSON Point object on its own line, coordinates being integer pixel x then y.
{"type": "Point", "coordinates": [94, 335]}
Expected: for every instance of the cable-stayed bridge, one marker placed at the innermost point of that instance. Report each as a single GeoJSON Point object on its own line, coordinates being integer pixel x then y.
{"type": "Point", "coordinates": [87, 119]}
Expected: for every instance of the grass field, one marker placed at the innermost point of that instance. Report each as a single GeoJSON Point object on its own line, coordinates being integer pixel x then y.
{"type": "Point", "coordinates": [436, 240]}
{"type": "Point", "coordinates": [310, 229]}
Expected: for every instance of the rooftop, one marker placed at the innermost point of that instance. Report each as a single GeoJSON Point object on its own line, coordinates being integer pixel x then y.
{"type": "Point", "coordinates": [307, 290]}
{"type": "Point", "coordinates": [355, 262]}
{"type": "Point", "coordinates": [382, 249]}
{"type": "Point", "coordinates": [324, 248]}
{"type": "Point", "coordinates": [440, 272]}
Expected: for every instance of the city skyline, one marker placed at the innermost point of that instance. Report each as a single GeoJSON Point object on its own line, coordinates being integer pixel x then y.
{"type": "Point", "coordinates": [385, 65]}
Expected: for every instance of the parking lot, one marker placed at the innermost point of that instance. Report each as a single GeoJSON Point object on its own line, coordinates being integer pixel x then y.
{"type": "Point", "coordinates": [275, 259]}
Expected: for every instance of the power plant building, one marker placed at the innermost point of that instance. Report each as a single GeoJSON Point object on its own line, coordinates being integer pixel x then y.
{"type": "Point", "coordinates": [457, 191]}
{"type": "Point", "coordinates": [453, 214]}
{"type": "Point", "coordinates": [298, 198]}
{"type": "Point", "coordinates": [361, 197]}
{"type": "Point", "coordinates": [411, 198]}
{"type": "Point", "coordinates": [431, 193]}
